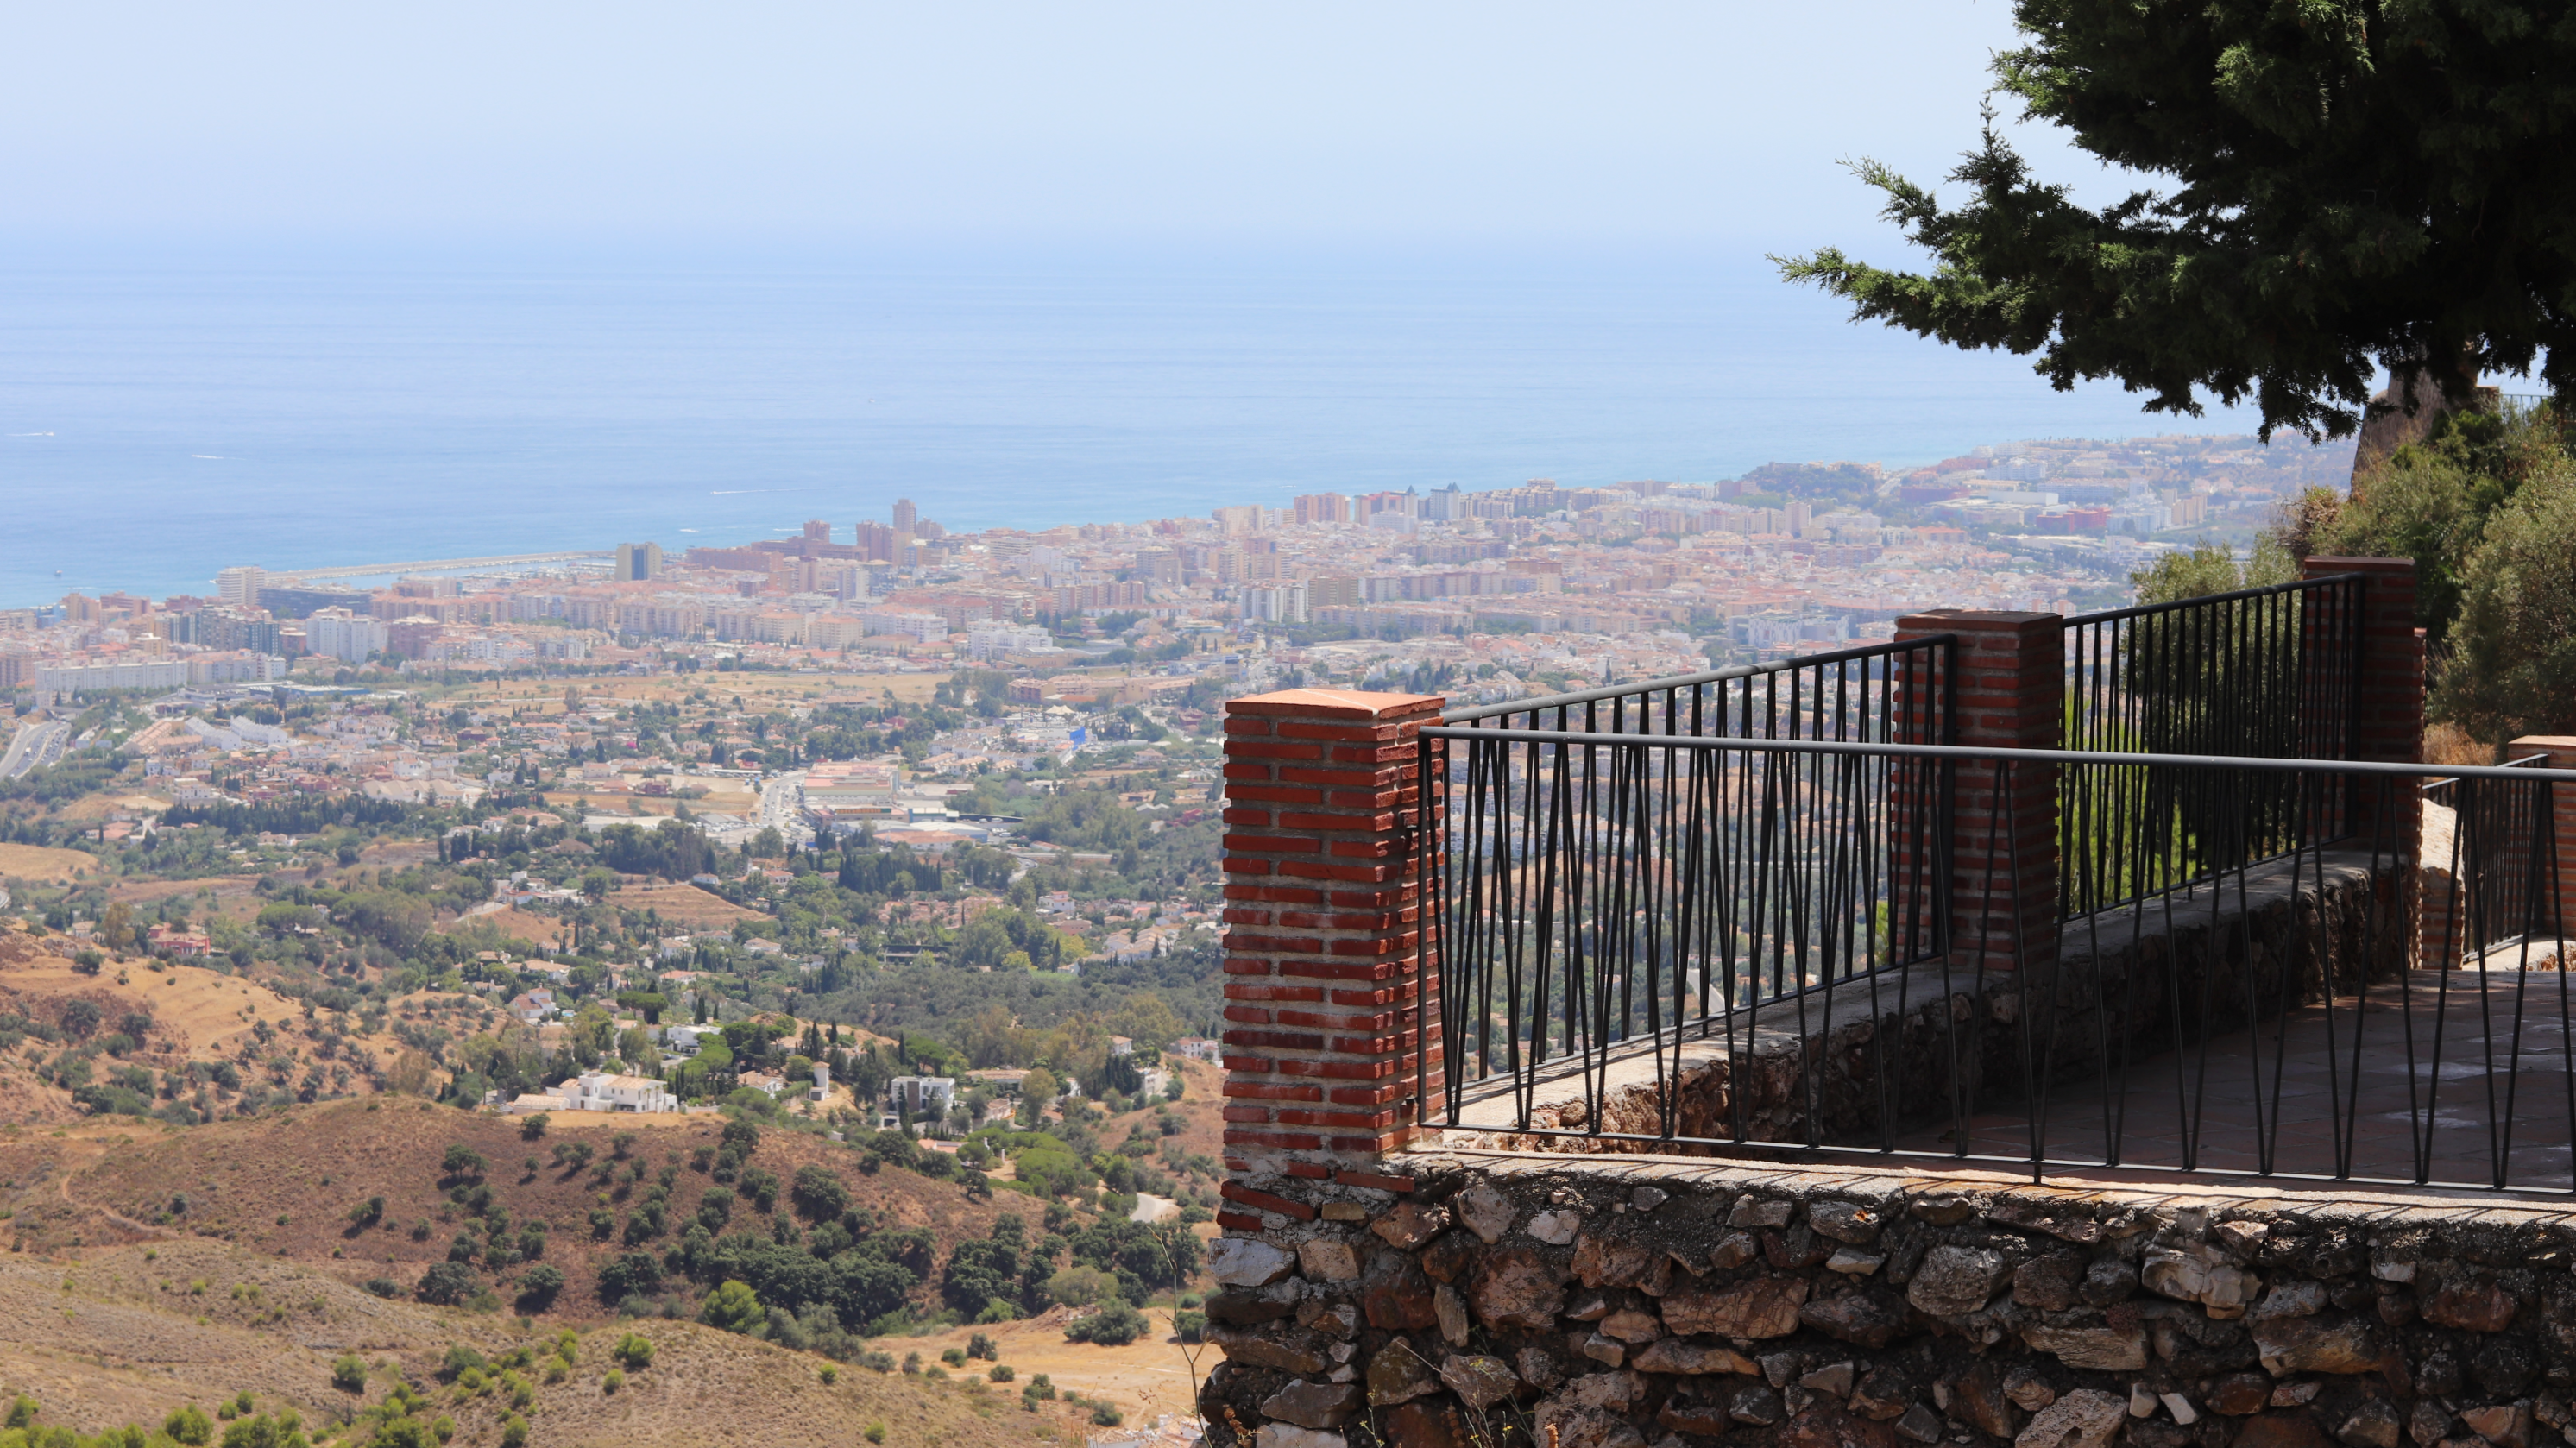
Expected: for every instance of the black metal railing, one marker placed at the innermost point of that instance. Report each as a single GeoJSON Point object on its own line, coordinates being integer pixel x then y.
{"type": "Point", "coordinates": [1598, 894]}
{"type": "Point", "coordinates": [1759, 946]}
{"type": "Point", "coordinates": [2257, 673]}
{"type": "Point", "coordinates": [1621, 867]}
{"type": "Point", "coordinates": [1899, 692]}
{"type": "Point", "coordinates": [2478, 856]}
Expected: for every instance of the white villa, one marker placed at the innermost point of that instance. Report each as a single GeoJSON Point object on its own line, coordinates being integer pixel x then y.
{"type": "Point", "coordinates": [596, 1091]}
{"type": "Point", "coordinates": [685, 1040]}
{"type": "Point", "coordinates": [925, 1099]}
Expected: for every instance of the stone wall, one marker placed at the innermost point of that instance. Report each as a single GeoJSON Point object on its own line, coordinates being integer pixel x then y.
{"type": "Point", "coordinates": [1600, 1302]}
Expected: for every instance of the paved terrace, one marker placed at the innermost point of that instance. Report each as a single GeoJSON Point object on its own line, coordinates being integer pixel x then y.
{"type": "Point", "coordinates": [2453, 1075]}
{"type": "Point", "coordinates": [2461, 1077]}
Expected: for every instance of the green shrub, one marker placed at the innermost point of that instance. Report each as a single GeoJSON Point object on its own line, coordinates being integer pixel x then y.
{"type": "Point", "coordinates": [999, 1373]}
{"type": "Point", "coordinates": [734, 1307]}
{"type": "Point", "coordinates": [540, 1283]}
{"type": "Point", "coordinates": [349, 1375]}
{"type": "Point", "coordinates": [1080, 1286]}
{"type": "Point", "coordinates": [613, 1381]}
{"type": "Point", "coordinates": [876, 1431]}
{"type": "Point", "coordinates": [1107, 1415]}
{"type": "Point", "coordinates": [1115, 1324]}
{"type": "Point", "coordinates": [448, 1283]}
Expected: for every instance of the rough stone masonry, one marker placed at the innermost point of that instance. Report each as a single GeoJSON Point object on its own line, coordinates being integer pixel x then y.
{"type": "Point", "coordinates": [1619, 1303]}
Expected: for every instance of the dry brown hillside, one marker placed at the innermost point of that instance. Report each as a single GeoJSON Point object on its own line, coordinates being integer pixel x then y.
{"type": "Point", "coordinates": [309, 1165]}
{"type": "Point", "coordinates": [129, 1334]}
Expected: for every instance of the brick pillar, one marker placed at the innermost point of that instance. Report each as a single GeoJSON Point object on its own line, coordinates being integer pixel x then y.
{"type": "Point", "coordinates": [2389, 698]}
{"type": "Point", "coordinates": [2392, 657]}
{"type": "Point", "coordinates": [2011, 694]}
{"type": "Point", "coordinates": [1323, 969]}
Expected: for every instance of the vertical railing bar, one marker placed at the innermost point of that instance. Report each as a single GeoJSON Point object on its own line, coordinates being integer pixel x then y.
{"type": "Point", "coordinates": [2423, 1129]}
{"type": "Point", "coordinates": [2521, 997]}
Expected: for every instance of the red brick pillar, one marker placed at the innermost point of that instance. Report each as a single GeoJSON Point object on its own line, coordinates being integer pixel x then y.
{"type": "Point", "coordinates": [2391, 689]}
{"type": "Point", "coordinates": [2010, 694]}
{"type": "Point", "coordinates": [1324, 968]}
{"type": "Point", "coordinates": [2389, 695]}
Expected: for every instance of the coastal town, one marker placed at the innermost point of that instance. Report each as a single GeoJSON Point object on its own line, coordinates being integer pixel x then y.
{"type": "Point", "coordinates": [1490, 594]}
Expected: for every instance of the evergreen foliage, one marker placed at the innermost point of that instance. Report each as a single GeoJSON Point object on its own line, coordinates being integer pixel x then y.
{"type": "Point", "coordinates": [2339, 185]}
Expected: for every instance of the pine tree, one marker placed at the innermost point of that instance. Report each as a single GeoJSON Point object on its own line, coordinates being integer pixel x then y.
{"type": "Point", "coordinates": [2349, 182]}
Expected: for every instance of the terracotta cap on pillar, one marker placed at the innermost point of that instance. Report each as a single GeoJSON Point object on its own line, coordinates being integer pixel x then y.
{"type": "Point", "coordinates": [2316, 564]}
{"type": "Point", "coordinates": [1952, 620]}
{"type": "Point", "coordinates": [1337, 703]}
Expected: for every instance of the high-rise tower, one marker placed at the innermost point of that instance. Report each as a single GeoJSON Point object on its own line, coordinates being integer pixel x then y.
{"type": "Point", "coordinates": [638, 561]}
{"type": "Point", "coordinates": [240, 585]}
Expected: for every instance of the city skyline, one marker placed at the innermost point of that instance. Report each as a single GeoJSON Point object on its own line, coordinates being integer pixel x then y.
{"type": "Point", "coordinates": [1655, 577]}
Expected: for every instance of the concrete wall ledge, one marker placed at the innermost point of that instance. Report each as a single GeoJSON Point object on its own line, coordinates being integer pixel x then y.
{"type": "Point", "coordinates": [2093, 1191]}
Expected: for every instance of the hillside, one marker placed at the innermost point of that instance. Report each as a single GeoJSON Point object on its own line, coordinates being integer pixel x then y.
{"type": "Point", "coordinates": [194, 1015]}
{"type": "Point", "coordinates": [41, 863]}
{"type": "Point", "coordinates": [310, 1164]}
{"type": "Point", "coordinates": [128, 1335]}
{"type": "Point", "coordinates": [236, 1183]}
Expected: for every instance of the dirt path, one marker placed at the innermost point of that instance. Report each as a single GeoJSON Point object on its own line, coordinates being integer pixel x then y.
{"type": "Point", "coordinates": [64, 1186]}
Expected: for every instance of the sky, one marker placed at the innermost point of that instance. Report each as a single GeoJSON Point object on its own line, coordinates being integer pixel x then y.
{"type": "Point", "coordinates": [1491, 125]}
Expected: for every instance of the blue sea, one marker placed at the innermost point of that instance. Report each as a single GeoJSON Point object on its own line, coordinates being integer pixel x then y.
{"type": "Point", "coordinates": [164, 415]}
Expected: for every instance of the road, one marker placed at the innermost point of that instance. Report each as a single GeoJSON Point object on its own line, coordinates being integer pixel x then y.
{"type": "Point", "coordinates": [782, 807]}
{"type": "Point", "coordinates": [40, 742]}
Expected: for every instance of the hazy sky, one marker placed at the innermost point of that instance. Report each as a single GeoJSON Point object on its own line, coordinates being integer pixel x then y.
{"type": "Point", "coordinates": [1484, 123]}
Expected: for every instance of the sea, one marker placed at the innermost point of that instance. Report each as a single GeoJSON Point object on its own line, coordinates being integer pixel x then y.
{"type": "Point", "coordinates": [167, 412]}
